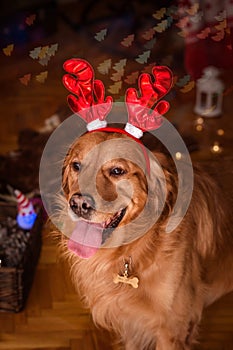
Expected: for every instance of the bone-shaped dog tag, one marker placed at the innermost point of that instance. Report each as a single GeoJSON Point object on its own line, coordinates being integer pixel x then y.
{"type": "Point", "coordinates": [133, 281]}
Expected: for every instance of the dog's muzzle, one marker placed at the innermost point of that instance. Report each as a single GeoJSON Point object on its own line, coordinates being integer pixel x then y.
{"type": "Point", "coordinates": [82, 205]}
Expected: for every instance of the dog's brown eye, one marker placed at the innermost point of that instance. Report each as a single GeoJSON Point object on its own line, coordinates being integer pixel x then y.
{"type": "Point", "coordinates": [76, 166]}
{"type": "Point", "coordinates": [117, 171]}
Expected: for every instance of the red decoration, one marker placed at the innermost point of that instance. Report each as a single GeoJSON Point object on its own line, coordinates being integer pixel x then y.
{"type": "Point", "coordinates": [87, 92]}
{"type": "Point", "coordinates": [88, 101]}
{"type": "Point", "coordinates": [139, 108]}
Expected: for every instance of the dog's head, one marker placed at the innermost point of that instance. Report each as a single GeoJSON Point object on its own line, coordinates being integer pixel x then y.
{"type": "Point", "coordinates": [106, 173]}
{"type": "Point", "coordinates": [112, 195]}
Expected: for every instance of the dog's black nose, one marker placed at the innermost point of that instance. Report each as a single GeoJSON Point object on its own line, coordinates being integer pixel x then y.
{"type": "Point", "coordinates": [82, 205]}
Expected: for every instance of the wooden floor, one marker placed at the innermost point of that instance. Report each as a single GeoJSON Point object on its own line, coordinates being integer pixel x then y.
{"type": "Point", "coordinates": [54, 318]}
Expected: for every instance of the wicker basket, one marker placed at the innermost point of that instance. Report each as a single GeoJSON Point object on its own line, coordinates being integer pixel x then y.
{"type": "Point", "coordinates": [15, 282]}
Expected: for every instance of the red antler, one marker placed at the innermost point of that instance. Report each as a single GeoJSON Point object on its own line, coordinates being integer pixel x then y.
{"type": "Point", "coordinates": [151, 92]}
{"type": "Point", "coordinates": [89, 100]}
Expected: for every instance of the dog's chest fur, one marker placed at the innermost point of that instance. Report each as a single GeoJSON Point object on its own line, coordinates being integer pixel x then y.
{"type": "Point", "coordinates": [152, 305]}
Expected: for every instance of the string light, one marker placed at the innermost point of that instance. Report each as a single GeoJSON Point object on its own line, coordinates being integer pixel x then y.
{"type": "Point", "coordinates": [200, 120]}
{"type": "Point", "coordinates": [199, 127]}
{"type": "Point", "coordinates": [220, 132]}
{"type": "Point", "coordinates": [178, 155]}
{"type": "Point", "coordinates": [199, 124]}
{"type": "Point", "coordinates": [216, 148]}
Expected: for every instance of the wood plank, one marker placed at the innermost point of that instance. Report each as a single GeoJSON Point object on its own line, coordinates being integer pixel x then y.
{"type": "Point", "coordinates": [7, 322]}
{"type": "Point", "coordinates": [56, 281]}
{"type": "Point", "coordinates": [36, 340]}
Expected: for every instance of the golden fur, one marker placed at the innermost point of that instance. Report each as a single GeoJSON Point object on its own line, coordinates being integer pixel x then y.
{"type": "Point", "coordinates": [179, 272]}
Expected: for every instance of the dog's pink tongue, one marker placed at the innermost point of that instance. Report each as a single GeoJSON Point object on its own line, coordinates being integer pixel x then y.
{"type": "Point", "coordinates": [86, 239]}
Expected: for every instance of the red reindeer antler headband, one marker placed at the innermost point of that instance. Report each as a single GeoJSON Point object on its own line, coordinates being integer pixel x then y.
{"type": "Point", "coordinates": [144, 111]}
{"type": "Point", "coordinates": [88, 93]}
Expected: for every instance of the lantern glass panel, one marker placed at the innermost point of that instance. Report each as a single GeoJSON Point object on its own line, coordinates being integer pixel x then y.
{"type": "Point", "coordinates": [215, 99]}
{"type": "Point", "coordinates": [203, 99]}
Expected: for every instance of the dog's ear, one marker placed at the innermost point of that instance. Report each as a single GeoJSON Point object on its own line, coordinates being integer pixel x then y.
{"type": "Point", "coordinates": [65, 174]}
{"type": "Point", "coordinates": [163, 184]}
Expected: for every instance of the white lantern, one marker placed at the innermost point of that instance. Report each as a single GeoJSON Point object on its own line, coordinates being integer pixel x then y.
{"type": "Point", "coordinates": [209, 93]}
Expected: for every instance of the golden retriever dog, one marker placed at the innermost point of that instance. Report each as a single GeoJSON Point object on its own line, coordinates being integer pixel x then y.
{"type": "Point", "coordinates": [139, 281]}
